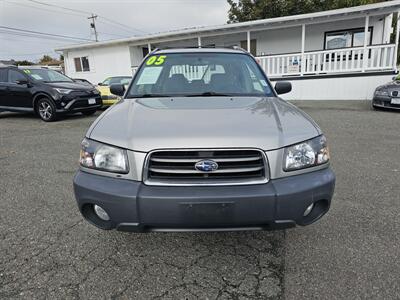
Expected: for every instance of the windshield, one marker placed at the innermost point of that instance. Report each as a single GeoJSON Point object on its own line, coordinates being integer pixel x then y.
{"type": "Point", "coordinates": [199, 74]}
{"type": "Point", "coordinates": [46, 75]}
{"type": "Point", "coordinates": [117, 80]}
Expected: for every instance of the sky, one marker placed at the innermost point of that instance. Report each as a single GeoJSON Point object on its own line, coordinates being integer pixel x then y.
{"type": "Point", "coordinates": [116, 19]}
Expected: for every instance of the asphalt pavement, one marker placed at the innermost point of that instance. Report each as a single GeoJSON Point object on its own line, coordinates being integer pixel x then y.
{"type": "Point", "coordinates": [48, 250]}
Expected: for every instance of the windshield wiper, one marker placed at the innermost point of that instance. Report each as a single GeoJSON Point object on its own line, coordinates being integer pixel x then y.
{"type": "Point", "coordinates": [205, 94]}
{"type": "Point", "coordinates": [209, 94]}
{"type": "Point", "coordinates": [149, 96]}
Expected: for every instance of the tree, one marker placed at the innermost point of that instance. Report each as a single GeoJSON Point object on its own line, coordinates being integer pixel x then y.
{"type": "Point", "coordinates": [248, 10]}
{"type": "Point", "coordinates": [46, 59]}
{"type": "Point", "coordinates": [23, 63]}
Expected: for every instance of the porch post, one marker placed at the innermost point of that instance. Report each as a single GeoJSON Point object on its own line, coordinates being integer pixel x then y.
{"type": "Point", "coordinates": [248, 41]}
{"type": "Point", "coordinates": [303, 46]}
{"type": "Point", "coordinates": [149, 47]}
{"type": "Point", "coordinates": [396, 42]}
{"type": "Point", "coordinates": [365, 55]}
{"type": "Point", "coordinates": [199, 41]}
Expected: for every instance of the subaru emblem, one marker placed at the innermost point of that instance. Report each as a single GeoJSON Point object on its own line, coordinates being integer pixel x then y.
{"type": "Point", "coordinates": [206, 166]}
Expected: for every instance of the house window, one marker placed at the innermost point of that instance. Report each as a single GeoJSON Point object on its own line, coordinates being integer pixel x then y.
{"type": "Point", "coordinates": [81, 64]}
{"type": "Point", "coordinates": [346, 38]}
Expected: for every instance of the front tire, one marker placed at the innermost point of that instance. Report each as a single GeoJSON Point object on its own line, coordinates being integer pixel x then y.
{"type": "Point", "coordinates": [88, 112]}
{"type": "Point", "coordinates": [46, 110]}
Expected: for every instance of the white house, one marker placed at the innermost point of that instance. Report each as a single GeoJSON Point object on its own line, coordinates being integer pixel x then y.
{"type": "Point", "coordinates": [337, 54]}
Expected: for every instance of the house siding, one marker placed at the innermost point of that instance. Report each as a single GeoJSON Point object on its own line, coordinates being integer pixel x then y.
{"type": "Point", "coordinates": [103, 62]}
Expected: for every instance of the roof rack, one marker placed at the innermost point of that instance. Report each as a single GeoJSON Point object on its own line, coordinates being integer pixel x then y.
{"type": "Point", "coordinates": [8, 66]}
{"type": "Point", "coordinates": [201, 47]}
{"type": "Point", "coordinates": [32, 67]}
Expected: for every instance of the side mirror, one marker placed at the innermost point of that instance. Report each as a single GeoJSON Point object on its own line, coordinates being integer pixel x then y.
{"type": "Point", "coordinates": [283, 87]}
{"type": "Point", "coordinates": [22, 82]}
{"type": "Point", "coordinates": [100, 84]}
{"type": "Point", "coordinates": [394, 78]}
{"type": "Point", "coordinates": [117, 89]}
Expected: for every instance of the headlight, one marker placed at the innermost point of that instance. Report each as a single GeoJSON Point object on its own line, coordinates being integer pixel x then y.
{"type": "Point", "coordinates": [306, 154]}
{"type": "Point", "coordinates": [63, 91]}
{"type": "Point", "coordinates": [98, 156]}
{"type": "Point", "coordinates": [381, 93]}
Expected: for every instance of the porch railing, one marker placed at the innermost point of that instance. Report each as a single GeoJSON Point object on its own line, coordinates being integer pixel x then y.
{"type": "Point", "coordinates": [344, 60]}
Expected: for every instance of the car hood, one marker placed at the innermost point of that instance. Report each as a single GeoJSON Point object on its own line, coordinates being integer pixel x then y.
{"type": "Point", "coordinates": [210, 122]}
{"type": "Point", "coordinates": [390, 85]}
{"type": "Point", "coordinates": [70, 86]}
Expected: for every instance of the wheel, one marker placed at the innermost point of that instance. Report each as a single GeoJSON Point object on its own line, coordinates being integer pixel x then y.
{"type": "Point", "coordinates": [88, 112]}
{"type": "Point", "coordinates": [46, 110]}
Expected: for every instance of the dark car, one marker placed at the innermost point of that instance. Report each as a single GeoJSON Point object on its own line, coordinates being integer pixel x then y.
{"type": "Point", "coordinates": [387, 95]}
{"type": "Point", "coordinates": [45, 92]}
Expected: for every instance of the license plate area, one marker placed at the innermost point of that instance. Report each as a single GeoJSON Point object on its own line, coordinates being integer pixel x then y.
{"type": "Point", "coordinates": [395, 101]}
{"type": "Point", "coordinates": [207, 212]}
{"type": "Point", "coordinates": [91, 101]}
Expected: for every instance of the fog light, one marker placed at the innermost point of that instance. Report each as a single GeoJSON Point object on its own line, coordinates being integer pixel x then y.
{"type": "Point", "coordinates": [101, 213]}
{"type": "Point", "coordinates": [308, 210]}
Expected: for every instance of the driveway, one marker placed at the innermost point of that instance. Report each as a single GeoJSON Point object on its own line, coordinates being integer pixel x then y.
{"type": "Point", "coordinates": [48, 251]}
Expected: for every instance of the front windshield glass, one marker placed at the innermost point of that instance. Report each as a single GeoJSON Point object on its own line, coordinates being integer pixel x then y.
{"type": "Point", "coordinates": [199, 74]}
{"type": "Point", "coordinates": [46, 75]}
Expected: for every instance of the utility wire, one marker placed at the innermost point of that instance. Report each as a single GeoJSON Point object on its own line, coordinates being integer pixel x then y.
{"type": "Point", "coordinates": [15, 34]}
{"type": "Point", "coordinates": [27, 54]}
{"type": "Point", "coordinates": [113, 34]}
{"type": "Point", "coordinates": [45, 33]}
{"type": "Point", "coordinates": [42, 8]}
{"type": "Point", "coordinates": [89, 13]}
{"type": "Point", "coordinates": [122, 25]}
{"type": "Point", "coordinates": [58, 6]}
{"type": "Point", "coordinates": [24, 37]}
{"type": "Point", "coordinates": [18, 38]}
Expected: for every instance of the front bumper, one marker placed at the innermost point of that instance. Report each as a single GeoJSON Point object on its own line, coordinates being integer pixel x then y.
{"type": "Point", "coordinates": [79, 104]}
{"type": "Point", "coordinates": [109, 100]}
{"type": "Point", "coordinates": [133, 206]}
{"type": "Point", "coordinates": [384, 102]}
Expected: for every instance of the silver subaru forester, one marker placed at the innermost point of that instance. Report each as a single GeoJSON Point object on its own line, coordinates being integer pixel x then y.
{"type": "Point", "coordinates": [200, 141]}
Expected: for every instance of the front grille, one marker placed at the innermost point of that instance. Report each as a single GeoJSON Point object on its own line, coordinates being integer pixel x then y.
{"type": "Point", "coordinates": [177, 167]}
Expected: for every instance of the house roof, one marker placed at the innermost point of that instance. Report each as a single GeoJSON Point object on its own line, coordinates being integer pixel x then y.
{"type": "Point", "coordinates": [295, 20]}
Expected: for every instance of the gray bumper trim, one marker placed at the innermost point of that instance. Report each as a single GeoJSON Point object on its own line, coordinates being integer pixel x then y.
{"type": "Point", "coordinates": [133, 206]}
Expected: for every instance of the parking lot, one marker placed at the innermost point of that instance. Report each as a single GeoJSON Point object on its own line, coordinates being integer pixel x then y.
{"type": "Point", "coordinates": [49, 251]}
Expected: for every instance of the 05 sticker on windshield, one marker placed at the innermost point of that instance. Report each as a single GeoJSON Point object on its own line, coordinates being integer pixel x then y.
{"type": "Point", "coordinates": [156, 60]}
